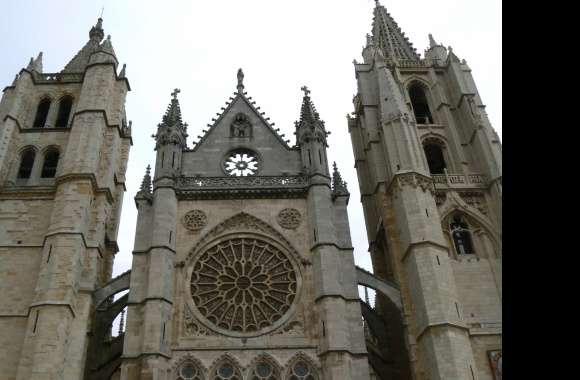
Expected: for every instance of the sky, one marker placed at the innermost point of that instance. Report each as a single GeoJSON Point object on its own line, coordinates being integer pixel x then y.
{"type": "Point", "coordinates": [198, 46]}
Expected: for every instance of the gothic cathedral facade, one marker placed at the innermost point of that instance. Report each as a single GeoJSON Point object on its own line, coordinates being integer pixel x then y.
{"type": "Point", "coordinates": [243, 266]}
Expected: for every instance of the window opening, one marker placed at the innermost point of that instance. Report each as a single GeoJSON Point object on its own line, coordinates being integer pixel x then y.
{"type": "Point", "coordinates": [420, 105]}
{"type": "Point", "coordinates": [64, 109]}
{"type": "Point", "coordinates": [435, 158]}
{"type": "Point", "coordinates": [41, 113]}
{"type": "Point", "coordinates": [26, 164]}
{"type": "Point", "coordinates": [50, 164]}
{"type": "Point", "coordinates": [461, 236]}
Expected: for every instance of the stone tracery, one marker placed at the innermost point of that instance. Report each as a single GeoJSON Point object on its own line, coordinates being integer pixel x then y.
{"type": "Point", "coordinates": [243, 285]}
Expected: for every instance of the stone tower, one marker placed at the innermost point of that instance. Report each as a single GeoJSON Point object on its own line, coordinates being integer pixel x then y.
{"type": "Point", "coordinates": [64, 145]}
{"type": "Point", "coordinates": [243, 265]}
{"type": "Point", "coordinates": [429, 170]}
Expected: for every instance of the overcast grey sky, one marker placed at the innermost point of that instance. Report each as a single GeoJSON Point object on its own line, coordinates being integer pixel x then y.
{"type": "Point", "coordinates": [198, 46]}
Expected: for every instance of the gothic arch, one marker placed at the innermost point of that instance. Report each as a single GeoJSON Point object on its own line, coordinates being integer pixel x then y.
{"type": "Point", "coordinates": [42, 111]}
{"type": "Point", "coordinates": [50, 161]}
{"type": "Point", "coordinates": [454, 203]}
{"type": "Point", "coordinates": [224, 359]}
{"type": "Point", "coordinates": [476, 222]}
{"type": "Point", "coordinates": [242, 222]}
{"type": "Point", "coordinates": [422, 102]}
{"type": "Point", "coordinates": [315, 373]}
{"type": "Point", "coordinates": [276, 368]}
{"type": "Point", "coordinates": [24, 170]}
{"type": "Point", "coordinates": [409, 81]}
{"type": "Point", "coordinates": [65, 106]}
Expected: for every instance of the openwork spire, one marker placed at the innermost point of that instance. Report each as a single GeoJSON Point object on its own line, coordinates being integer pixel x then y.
{"type": "Point", "coordinates": [338, 184]}
{"type": "Point", "coordinates": [172, 130]}
{"type": "Point", "coordinates": [389, 37]}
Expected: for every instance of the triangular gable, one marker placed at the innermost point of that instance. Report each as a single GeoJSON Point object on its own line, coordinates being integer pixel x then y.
{"type": "Point", "coordinates": [241, 104]}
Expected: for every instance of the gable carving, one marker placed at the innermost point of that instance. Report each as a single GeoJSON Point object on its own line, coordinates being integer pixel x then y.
{"type": "Point", "coordinates": [241, 126]}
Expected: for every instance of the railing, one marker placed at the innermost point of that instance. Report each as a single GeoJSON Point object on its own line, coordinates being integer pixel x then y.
{"type": "Point", "coordinates": [201, 183]}
{"type": "Point", "coordinates": [418, 63]}
{"type": "Point", "coordinates": [459, 180]}
{"type": "Point", "coordinates": [58, 77]}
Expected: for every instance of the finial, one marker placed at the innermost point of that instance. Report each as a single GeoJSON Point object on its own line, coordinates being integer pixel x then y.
{"type": "Point", "coordinates": [240, 80]}
{"type": "Point", "coordinates": [175, 92]}
{"type": "Point", "coordinates": [102, 10]}
{"type": "Point", "coordinates": [146, 183]}
{"type": "Point", "coordinates": [338, 185]}
{"type": "Point", "coordinates": [97, 33]}
{"type": "Point", "coordinates": [369, 40]}
{"type": "Point", "coordinates": [306, 90]}
{"type": "Point", "coordinates": [122, 74]}
{"type": "Point", "coordinates": [432, 42]}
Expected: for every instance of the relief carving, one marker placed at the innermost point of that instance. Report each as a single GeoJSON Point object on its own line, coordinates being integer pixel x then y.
{"type": "Point", "coordinates": [289, 218]}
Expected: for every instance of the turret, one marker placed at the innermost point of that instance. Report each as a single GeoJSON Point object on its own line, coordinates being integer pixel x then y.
{"type": "Point", "coordinates": [436, 51]}
{"type": "Point", "coordinates": [311, 137]}
{"type": "Point", "coordinates": [170, 140]}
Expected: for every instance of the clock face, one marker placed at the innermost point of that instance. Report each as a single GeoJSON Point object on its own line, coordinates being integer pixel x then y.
{"type": "Point", "coordinates": [241, 163]}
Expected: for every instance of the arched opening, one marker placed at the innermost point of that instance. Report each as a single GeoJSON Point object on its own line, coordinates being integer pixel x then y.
{"type": "Point", "coordinates": [226, 370]}
{"type": "Point", "coordinates": [50, 164]}
{"type": "Point", "coordinates": [41, 113]}
{"type": "Point", "coordinates": [435, 158]}
{"type": "Point", "coordinates": [189, 370]}
{"type": "Point", "coordinates": [461, 235]}
{"type": "Point", "coordinates": [420, 105]}
{"type": "Point", "coordinates": [64, 109]}
{"type": "Point", "coordinates": [26, 163]}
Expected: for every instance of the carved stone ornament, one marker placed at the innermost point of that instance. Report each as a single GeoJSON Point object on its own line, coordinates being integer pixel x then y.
{"type": "Point", "coordinates": [244, 286]}
{"type": "Point", "coordinates": [195, 220]}
{"type": "Point", "coordinates": [192, 327]}
{"type": "Point", "coordinates": [289, 218]}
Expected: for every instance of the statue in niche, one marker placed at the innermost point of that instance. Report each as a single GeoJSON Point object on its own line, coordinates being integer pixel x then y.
{"type": "Point", "coordinates": [241, 126]}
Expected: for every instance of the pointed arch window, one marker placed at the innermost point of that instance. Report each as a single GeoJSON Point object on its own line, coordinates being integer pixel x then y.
{"type": "Point", "coordinates": [265, 370]}
{"type": "Point", "coordinates": [420, 104]}
{"type": "Point", "coordinates": [227, 370]}
{"type": "Point", "coordinates": [302, 370]}
{"type": "Point", "coordinates": [190, 371]}
{"type": "Point", "coordinates": [50, 163]}
{"type": "Point", "coordinates": [26, 163]}
{"type": "Point", "coordinates": [65, 106]}
{"type": "Point", "coordinates": [42, 113]}
{"type": "Point", "coordinates": [461, 235]}
{"type": "Point", "coordinates": [435, 158]}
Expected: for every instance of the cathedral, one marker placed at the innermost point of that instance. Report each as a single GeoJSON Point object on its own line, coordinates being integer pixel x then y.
{"type": "Point", "coordinates": [242, 265]}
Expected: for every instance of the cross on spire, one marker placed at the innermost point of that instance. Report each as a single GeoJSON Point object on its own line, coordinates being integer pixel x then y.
{"type": "Point", "coordinates": [306, 90]}
{"type": "Point", "coordinates": [175, 92]}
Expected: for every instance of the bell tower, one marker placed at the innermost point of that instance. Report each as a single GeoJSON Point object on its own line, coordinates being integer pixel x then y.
{"type": "Point", "coordinates": [64, 146]}
{"type": "Point", "coordinates": [429, 169]}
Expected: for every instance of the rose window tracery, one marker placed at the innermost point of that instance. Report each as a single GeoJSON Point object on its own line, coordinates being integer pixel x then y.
{"type": "Point", "coordinates": [241, 162]}
{"type": "Point", "coordinates": [244, 285]}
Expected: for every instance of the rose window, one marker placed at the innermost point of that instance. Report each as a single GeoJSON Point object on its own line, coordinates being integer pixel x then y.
{"type": "Point", "coordinates": [241, 162]}
{"type": "Point", "coordinates": [244, 285]}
